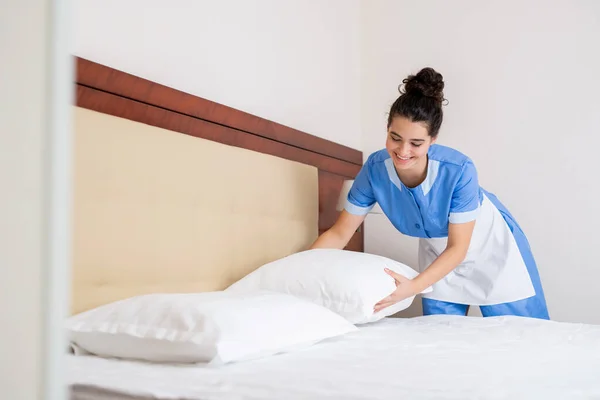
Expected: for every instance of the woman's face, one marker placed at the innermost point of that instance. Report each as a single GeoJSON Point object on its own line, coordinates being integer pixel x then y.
{"type": "Point", "coordinates": [408, 143]}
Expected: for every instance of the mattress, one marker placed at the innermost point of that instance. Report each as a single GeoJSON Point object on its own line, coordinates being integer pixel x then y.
{"type": "Point", "coordinates": [431, 357]}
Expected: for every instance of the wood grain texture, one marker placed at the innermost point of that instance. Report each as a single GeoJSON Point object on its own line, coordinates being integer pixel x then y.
{"type": "Point", "coordinates": [106, 90]}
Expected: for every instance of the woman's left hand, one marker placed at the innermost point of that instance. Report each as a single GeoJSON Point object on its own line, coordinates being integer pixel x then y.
{"type": "Point", "coordinates": [405, 288]}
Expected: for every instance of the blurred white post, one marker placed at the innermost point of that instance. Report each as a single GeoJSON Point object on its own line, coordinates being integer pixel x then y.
{"type": "Point", "coordinates": [36, 76]}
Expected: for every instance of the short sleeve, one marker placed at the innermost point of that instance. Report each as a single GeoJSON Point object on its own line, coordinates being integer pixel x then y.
{"type": "Point", "coordinates": [360, 197]}
{"type": "Point", "coordinates": [465, 203]}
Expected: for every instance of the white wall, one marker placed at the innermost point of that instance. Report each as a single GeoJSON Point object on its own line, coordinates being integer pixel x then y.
{"type": "Point", "coordinates": [295, 62]}
{"type": "Point", "coordinates": [523, 82]}
{"type": "Point", "coordinates": [521, 79]}
{"type": "Point", "coordinates": [35, 87]}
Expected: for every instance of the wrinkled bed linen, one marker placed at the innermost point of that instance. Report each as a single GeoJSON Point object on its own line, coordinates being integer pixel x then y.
{"type": "Point", "coordinates": [432, 357]}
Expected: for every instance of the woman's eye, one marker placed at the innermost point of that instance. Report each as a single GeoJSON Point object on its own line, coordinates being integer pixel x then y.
{"type": "Point", "coordinates": [417, 144]}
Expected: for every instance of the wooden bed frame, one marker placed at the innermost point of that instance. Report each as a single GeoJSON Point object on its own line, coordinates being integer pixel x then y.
{"type": "Point", "coordinates": [110, 91]}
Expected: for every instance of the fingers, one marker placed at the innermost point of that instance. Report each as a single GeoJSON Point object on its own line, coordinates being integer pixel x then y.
{"type": "Point", "coordinates": [394, 297]}
{"type": "Point", "coordinates": [386, 299]}
{"type": "Point", "coordinates": [396, 276]}
{"type": "Point", "coordinates": [381, 305]}
{"type": "Point", "coordinates": [385, 302]}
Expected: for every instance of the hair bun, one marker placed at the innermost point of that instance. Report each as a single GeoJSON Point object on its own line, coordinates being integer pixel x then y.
{"type": "Point", "coordinates": [427, 82]}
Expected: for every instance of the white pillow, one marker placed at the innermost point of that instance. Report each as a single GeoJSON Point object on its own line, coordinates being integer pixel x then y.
{"type": "Point", "coordinates": [211, 327]}
{"type": "Point", "coordinates": [346, 282]}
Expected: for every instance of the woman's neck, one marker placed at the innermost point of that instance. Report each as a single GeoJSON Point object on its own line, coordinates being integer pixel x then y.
{"type": "Point", "coordinates": [415, 176]}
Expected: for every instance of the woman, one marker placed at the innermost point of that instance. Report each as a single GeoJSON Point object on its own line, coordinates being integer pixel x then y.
{"type": "Point", "coordinates": [471, 249]}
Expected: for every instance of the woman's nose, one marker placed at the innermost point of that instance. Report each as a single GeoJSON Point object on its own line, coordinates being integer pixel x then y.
{"type": "Point", "coordinates": [404, 149]}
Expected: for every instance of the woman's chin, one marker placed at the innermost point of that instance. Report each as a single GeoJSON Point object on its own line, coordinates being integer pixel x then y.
{"type": "Point", "coordinates": [404, 164]}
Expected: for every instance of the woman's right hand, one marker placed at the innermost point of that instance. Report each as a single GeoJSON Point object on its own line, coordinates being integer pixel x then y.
{"type": "Point", "coordinates": [338, 236]}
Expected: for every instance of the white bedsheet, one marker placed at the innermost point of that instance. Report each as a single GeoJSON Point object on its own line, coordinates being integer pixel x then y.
{"type": "Point", "coordinates": [434, 357]}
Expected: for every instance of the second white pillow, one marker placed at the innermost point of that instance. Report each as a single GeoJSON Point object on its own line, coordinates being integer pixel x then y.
{"type": "Point", "coordinates": [210, 327]}
{"type": "Point", "coordinates": [346, 282]}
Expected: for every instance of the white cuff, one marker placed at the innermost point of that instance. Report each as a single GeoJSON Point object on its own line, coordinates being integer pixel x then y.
{"type": "Point", "coordinates": [356, 210]}
{"type": "Point", "coordinates": [462, 217]}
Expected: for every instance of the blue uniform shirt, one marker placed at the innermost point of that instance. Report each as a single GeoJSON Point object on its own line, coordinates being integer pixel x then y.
{"type": "Point", "coordinates": [449, 194]}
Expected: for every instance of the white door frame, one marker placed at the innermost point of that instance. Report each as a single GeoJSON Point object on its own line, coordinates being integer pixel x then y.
{"type": "Point", "coordinates": [36, 93]}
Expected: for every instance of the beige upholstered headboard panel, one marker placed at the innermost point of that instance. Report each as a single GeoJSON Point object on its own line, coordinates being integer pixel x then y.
{"type": "Point", "coordinates": [159, 211]}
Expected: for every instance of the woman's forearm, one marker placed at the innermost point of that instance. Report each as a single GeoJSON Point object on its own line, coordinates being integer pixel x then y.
{"type": "Point", "coordinates": [338, 236]}
{"type": "Point", "coordinates": [330, 240]}
{"type": "Point", "coordinates": [450, 258]}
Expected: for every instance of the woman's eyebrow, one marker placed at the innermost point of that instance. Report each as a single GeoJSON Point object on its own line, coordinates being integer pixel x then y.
{"type": "Point", "coordinates": [412, 140]}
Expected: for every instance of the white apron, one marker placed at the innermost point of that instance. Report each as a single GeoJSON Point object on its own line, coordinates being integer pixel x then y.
{"type": "Point", "coordinates": [493, 271]}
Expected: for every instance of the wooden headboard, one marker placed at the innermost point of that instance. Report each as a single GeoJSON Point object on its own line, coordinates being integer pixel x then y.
{"type": "Point", "coordinates": [110, 91]}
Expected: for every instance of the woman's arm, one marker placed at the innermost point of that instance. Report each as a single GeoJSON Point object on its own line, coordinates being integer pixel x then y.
{"type": "Point", "coordinates": [338, 236]}
{"type": "Point", "coordinates": [459, 238]}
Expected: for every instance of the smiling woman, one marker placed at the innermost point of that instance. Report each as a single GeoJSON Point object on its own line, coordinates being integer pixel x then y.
{"type": "Point", "coordinates": [414, 122]}
{"type": "Point", "coordinates": [472, 251]}
{"type": "Point", "coordinates": [409, 149]}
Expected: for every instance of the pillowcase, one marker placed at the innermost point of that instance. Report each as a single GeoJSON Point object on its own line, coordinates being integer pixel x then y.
{"type": "Point", "coordinates": [346, 282]}
{"type": "Point", "coordinates": [210, 327]}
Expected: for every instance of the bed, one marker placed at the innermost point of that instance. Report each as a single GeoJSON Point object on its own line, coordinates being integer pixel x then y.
{"type": "Point", "coordinates": [177, 194]}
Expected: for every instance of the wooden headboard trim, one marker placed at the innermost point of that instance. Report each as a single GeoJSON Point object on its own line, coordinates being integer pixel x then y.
{"type": "Point", "coordinates": [109, 80]}
{"type": "Point", "coordinates": [107, 90]}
